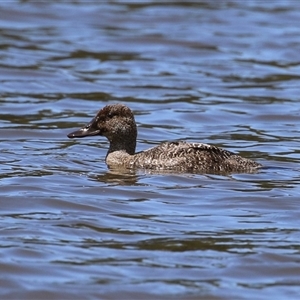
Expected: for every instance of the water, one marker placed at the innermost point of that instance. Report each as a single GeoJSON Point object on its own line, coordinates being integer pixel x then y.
{"type": "Point", "coordinates": [220, 72]}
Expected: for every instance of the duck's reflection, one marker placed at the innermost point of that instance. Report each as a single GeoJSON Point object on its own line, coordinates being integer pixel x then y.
{"type": "Point", "coordinates": [119, 177]}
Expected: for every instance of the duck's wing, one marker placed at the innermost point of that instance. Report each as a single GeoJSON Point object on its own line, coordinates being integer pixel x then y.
{"type": "Point", "coordinates": [198, 150]}
{"type": "Point", "coordinates": [212, 158]}
{"type": "Point", "coordinates": [193, 156]}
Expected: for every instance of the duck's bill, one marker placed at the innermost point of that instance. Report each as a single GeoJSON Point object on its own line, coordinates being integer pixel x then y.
{"type": "Point", "coordinates": [87, 130]}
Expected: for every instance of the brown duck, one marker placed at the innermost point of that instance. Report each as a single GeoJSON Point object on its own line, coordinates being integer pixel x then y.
{"type": "Point", "coordinates": [116, 122]}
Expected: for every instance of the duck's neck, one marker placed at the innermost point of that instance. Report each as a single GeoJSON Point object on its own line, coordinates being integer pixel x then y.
{"type": "Point", "coordinates": [127, 145]}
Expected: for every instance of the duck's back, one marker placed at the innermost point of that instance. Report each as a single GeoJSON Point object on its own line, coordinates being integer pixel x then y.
{"type": "Point", "coordinates": [191, 157]}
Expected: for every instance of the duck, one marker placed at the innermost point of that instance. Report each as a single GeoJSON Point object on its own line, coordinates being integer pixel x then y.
{"type": "Point", "coordinates": [116, 122]}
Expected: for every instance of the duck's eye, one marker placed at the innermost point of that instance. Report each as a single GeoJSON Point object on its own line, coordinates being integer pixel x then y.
{"type": "Point", "coordinates": [110, 115]}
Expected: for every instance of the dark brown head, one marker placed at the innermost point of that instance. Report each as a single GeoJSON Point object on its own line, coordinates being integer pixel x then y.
{"type": "Point", "coordinates": [115, 122]}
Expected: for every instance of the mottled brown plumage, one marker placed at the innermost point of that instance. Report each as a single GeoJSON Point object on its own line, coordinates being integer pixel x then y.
{"type": "Point", "coordinates": [116, 122]}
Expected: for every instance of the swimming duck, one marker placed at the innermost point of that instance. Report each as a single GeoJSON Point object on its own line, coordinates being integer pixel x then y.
{"type": "Point", "coordinates": [116, 122]}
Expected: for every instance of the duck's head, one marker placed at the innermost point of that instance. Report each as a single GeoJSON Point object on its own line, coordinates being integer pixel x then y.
{"type": "Point", "coordinates": [115, 122]}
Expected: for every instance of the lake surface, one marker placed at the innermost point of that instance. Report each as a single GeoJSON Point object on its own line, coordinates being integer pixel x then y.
{"type": "Point", "coordinates": [220, 72]}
